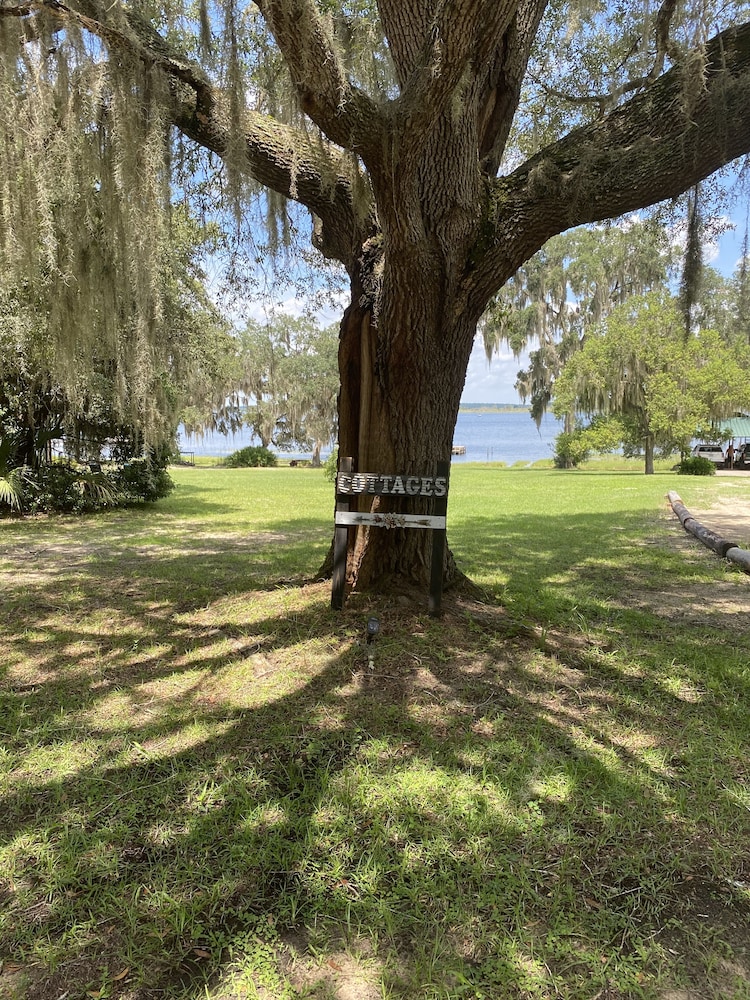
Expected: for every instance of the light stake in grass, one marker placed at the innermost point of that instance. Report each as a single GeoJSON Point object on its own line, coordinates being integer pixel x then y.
{"type": "Point", "coordinates": [373, 627]}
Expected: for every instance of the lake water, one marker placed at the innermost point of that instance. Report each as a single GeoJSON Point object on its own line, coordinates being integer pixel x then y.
{"type": "Point", "coordinates": [504, 437]}
{"type": "Point", "coordinates": [488, 437]}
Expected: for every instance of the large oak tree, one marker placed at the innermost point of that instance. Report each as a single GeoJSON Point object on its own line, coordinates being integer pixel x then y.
{"type": "Point", "coordinates": [437, 144]}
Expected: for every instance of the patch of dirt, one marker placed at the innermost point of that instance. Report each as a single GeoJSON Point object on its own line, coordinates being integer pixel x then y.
{"type": "Point", "coordinates": [345, 973]}
{"type": "Point", "coordinates": [729, 518]}
{"type": "Point", "coordinates": [19, 982]}
{"type": "Point", "coordinates": [40, 563]}
{"type": "Point", "coordinates": [715, 605]}
{"type": "Point", "coordinates": [719, 603]}
{"type": "Point", "coordinates": [711, 911]}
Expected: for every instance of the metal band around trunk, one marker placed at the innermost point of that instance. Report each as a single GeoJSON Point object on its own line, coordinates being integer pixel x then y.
{"type": "Point", "coordinates": [390, 520]}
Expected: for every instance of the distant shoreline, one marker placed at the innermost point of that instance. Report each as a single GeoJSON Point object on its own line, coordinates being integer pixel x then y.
{"type": "Point", "coordinates": [493, 408]}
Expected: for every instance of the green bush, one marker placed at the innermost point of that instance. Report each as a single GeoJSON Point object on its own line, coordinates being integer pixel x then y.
{"type": "Point", "coordinates": [254, 456]}
{"type": "Point", "coordinates": [12, 488]}
{"type": "Point", "coordinates": [696, 465]}
{"type": "Point", "coordinates": [66, 488]}
{"type": "Point", "coordinates": [69, 488]}
{"type": "Point", "coordinates": [571, 450]}
{"type": "Point", "coordinates": [331, 466]}
{"type": "Point", "coordinates": [141, 480]}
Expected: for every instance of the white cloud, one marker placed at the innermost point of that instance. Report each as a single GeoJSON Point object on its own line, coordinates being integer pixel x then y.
{"type": "Point", "coordinates": [493, 382]}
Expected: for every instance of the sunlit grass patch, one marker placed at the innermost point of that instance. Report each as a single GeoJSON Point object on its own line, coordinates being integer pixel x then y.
{"type": "Point", "coordinates": [208, 791]}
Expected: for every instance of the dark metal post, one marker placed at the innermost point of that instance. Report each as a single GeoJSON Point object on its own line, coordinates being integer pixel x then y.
{"type": "Point", "coordinates": [340, 539]}
{"type": "Point", "coordinates": [438, 546]}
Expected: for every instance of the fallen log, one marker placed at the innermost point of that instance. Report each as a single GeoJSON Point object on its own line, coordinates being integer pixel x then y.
{"type": "Point", "coordinates": [678, 507]}
{"type": "Point", "coordinates": [705, 535]}
{"type": "Point", "coordinates": [739, 556]}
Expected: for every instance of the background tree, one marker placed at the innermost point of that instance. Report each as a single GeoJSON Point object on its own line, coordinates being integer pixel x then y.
{"type": "Point", "coordinates": [113, 395]}
{"type": "Point", "coordinates": [662, 387]}
{"type": "Point", "coordinates": [724, 303]}
{"type": "Point", "coordinates": [313, 383]}
{"type": "Point", "coordinates": [570, 284]}
{"type": "Point", "coordinates": [742, 290]}
{"type": "Point", "coordinates": [691, 282]}
{"type": "Point", "coordinates": [262, 350]}
{"type": "Point", "coordinates": [437, 146]}
{"type": "Point", "coordinates": [284, 386]}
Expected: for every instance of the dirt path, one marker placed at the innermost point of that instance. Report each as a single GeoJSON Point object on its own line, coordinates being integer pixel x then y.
{"type": "Point", "coordinates": [728, 517]}
{"type": "Point", "coordinates": [721, 601]}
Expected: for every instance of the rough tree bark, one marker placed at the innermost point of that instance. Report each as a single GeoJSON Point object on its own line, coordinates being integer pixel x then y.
{"type": "Point", "coordinates": [404, 190]}
{"type": "Point", "coordinates": [649, 455]}
{"type": "Point", "coordinates": [397, 411]}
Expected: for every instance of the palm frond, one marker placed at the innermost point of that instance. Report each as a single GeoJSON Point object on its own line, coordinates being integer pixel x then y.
{"type": "Point", "coordinates": [12, 487]}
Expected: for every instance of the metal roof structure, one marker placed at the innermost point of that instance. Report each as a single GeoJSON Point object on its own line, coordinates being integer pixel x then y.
{"type": "Point", "coordinates": [735, 427]}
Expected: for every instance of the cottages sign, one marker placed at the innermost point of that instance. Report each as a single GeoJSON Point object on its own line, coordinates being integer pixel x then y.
{"type": "Point", "coordinates": [351, 484]}
{"type": "Point", "coordinates": [412, 486]}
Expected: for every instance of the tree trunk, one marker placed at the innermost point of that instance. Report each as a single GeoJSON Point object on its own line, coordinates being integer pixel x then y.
{"type": "Point", "coordinates": [649, 447]}
{"type": "Point", "coordinates": [397, 412]}
{"type": "Point", "coordinates": [27, 452]}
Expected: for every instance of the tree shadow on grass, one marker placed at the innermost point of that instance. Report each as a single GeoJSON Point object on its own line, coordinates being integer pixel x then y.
{"type": "Point", "coordinates": [203, 794]}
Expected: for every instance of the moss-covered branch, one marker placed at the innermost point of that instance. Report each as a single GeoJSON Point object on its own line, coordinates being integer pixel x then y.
{"type": "Point", "coordinates": [342, 111]}
{"type": "Point", "coordinates": [691, 122]}
{"type": "Point", "coordinates": [292, 164]}
{"type": "Point", "coordinates": [281, 157]}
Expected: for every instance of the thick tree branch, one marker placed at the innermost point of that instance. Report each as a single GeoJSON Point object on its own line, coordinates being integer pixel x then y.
{"type": "Point", "coordinates": [501, 88]}
{"type": "Point", "coordinates": [655, 146]}
{"type": "Point", "coordinates": [342, 111]}
{"type": "Point", "coordinates": [462, 34]}
{"type": "Point", "coordinates": [405, 26]}
{"type": "Point", "coordinates": [459, 31]}
{"type": "Point", "coordinates": [285, 159]}
{"type": "Point", "coordinates": [292, 164]}
{"type": "Point", "coordinates": [663, 41]}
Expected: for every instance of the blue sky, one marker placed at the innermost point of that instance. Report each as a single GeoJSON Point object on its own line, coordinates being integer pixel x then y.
{"type": "Point", "coordinates": [493, 382]}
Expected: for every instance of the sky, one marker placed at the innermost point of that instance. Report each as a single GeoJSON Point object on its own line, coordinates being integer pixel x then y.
{"type": "Point", "coordinates": [492, 382]}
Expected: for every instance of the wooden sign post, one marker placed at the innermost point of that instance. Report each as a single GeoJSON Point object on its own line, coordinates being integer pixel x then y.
{"type": "Point", "coordinates": [349, 483]}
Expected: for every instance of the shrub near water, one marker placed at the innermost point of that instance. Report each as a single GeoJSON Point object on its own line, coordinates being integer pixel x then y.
{"type": "Point", "coordinates": [571, 450]}
{"type": "Point", "coordinates": [141, 480]}
{"type": "Point", "coordinates": [70, 488]}
{"type": "Point", "coordinates": [254, 456]}
{"type": "Point", "coordinates": [696, 465]}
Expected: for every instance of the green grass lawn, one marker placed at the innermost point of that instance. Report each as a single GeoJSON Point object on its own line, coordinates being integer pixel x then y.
{"type": "Point", "coordinates": [205, 791]}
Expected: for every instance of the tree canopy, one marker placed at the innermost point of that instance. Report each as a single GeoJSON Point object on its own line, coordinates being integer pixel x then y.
{"type": "Point", "coordinates": [111, 384]}
{"type": "Point", "coordinates": [436, 145]}
{"type": "Point", "coordinates": [572, 283]}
